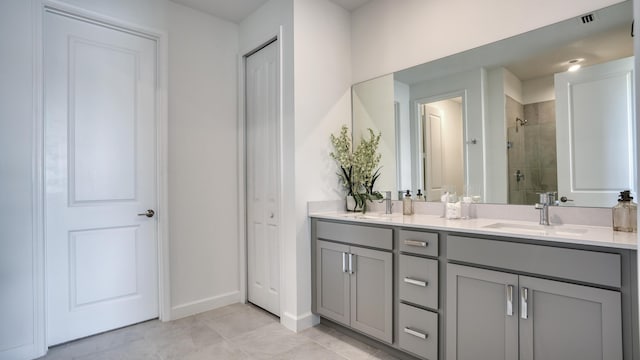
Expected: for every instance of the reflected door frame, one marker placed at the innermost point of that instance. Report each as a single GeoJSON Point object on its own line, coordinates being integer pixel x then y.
{"type": "Point", "coordinates": [38, 187]}
{"type": "Point", "coordinates": [418, 165]}
{"type": "Point", "coordinates": [432, 155]}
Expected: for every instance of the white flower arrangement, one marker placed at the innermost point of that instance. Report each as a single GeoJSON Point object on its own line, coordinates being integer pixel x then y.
{"type": "Point", "coordinates": [359, 168]}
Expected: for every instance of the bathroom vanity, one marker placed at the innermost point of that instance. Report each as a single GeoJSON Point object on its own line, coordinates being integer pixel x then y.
{"type": "Point", "coordinates": [477, 289]}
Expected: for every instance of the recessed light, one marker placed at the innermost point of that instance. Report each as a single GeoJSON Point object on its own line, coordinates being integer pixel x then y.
{"type": "Point", "coordinates": [574, 64]}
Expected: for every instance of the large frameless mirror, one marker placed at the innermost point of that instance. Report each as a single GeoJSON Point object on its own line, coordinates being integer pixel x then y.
{"type": "Point", "coordinates": [508, 120]}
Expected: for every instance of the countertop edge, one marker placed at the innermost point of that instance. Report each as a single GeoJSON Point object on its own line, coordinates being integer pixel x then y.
{"type": "Point", "coordinates": [626, 241]}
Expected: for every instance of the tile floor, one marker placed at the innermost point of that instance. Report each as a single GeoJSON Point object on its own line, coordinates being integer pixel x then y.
{"type": "Point", "coordinates": [233, 332]}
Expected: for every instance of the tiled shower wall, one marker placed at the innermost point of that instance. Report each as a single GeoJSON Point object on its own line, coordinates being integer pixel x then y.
{"type": "Point", "coordinates": [531, 149]}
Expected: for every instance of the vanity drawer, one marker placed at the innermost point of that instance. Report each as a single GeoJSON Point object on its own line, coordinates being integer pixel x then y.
{"type": "Point", "coordinates": [418, 331]}
{"type": "Point", "coordinates": [355, 234]}
{"type": "Point", "coordinates": [417, 242]}
{"type": "Point", "coordinates": [579, 265]}
{"type": "Point", "coordinates": [418, 279]}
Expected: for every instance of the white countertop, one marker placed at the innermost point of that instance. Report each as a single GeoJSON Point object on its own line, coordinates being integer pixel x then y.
{"type": "Point", "coordinates": [569, 233]}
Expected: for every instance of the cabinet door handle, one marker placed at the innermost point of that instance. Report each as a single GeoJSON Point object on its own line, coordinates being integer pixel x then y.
{"type": "Point", "coordinates": [351, 263]}
{"type": "Point", "coordinates": [344, 262]}
{"type": "Point", "coordinates": [415, 282]}
{"type": "Point", "coordinates": [415, 333]}
{"type": "Point", "coordinates": [510, 300]}
{"type": "Point", "coordinates": [416, 243]}
{"type": "Point", "coordinates": [524, 301]}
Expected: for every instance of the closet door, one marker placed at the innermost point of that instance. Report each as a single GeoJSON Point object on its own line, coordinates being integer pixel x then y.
{"type": "Point", "coordinates": [263, 178]}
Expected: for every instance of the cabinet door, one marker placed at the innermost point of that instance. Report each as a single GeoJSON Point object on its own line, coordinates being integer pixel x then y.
{"type": "Point", "coordinates": [482, 314]}
{"type": "Point", "coordinates": [372, 293]}
{"type": "Point", "coordinates": [566, 321]}
{"type": "Point", "coordinates": [332, 281]}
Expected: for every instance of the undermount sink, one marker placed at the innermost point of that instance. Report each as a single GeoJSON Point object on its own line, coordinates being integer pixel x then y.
{"type": "Point", "coordinates": [372, 216]}
{"type": "Point", "coordinates": [376, 216]}
{"type": "Point", "coordinates": [538, 229]}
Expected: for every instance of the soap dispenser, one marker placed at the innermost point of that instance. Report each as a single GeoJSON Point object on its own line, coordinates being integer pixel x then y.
{"type": "Point", "coordinates": [625, 213]}
{"type": "Point", "coordinates": [419, 196]}
{"type": "Point", "coordinates": [407, 204]}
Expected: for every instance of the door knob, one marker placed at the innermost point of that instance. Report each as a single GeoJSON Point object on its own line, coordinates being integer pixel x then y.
{"type": "Point", "coordinates": [148, 214]}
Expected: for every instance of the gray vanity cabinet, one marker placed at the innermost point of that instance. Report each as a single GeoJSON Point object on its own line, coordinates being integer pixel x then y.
{"type": "Point", "coordinates": [566, 321]}
{"type": "Point", "coordinates": [481, 323]}
{"type": "Point", "coordinates": [453, 296]}
{"type": "Point", "coordinates": [354, 287]}
{"type": "Point", "coordinates": [496, 315]}
{"type": "Point", "coordinates": [372, 293]}
{"type": "Point", "coordinates": [332, 282]}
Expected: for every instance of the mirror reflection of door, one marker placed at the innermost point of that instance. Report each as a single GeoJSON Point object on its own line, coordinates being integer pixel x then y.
{"type": "Point", "coordinates": [442, 147]}
{"type": "Point", "coordinates": [596, 132]}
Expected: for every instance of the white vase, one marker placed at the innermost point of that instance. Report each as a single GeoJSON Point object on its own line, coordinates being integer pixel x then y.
{"type": "Point", "coordinates": [352, 205]}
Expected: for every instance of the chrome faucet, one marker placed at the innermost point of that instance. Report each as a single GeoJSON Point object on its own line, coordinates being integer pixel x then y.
{"type": "Point", "coordinates": [546, 199]}
{"type": "Point", "coordinates": [388, 203]}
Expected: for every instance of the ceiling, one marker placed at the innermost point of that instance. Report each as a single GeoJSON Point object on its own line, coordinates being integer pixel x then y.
{"type": "Point", "coordinates": [350, 4]}
{"type": "Point", "coordinates": [237, 10]}
{"type": "Point", "coordinates": [541, 52]}
{"type": "Point", "coordinates": [598, 48]}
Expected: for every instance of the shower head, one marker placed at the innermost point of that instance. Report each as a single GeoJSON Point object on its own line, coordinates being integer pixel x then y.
{"type": "Point", "coordinates": [520, 122]}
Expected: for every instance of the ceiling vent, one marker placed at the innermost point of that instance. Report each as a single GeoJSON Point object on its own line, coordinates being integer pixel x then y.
{"type": "Point", "coordinates": [587, 18]}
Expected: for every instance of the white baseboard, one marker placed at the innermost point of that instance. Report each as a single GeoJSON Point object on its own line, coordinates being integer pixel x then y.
{"type": "Point", "coordinates": [299, 323]}
{"type": "Point", "coordinates": [199, 306]}
{"type": "Point", "coordinates": [28, 351]}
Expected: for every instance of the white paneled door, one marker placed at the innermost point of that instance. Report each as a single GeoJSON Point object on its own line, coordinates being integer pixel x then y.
{"type": "Point", "coordinates": [595, 132]}
{"type": "Point", "coordinates": [100, 158]}
{"type": "Point", "coordinates": [263, 179]}
{"type": "Point", "coordinates": [432, 152]}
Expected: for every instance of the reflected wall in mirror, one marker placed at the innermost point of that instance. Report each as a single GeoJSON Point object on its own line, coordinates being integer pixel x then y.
{"type": "Point", "coordinates": [526, 125]}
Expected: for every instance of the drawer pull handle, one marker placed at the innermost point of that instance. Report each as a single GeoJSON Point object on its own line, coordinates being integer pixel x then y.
{"type": "Point", "coordinates": [344, 262]}
{"type": "Point", "coordinates": [415, 333]}
{"type": "Point", "coordinates": [510, 300]}
{"type": "Point", "coordinates": [415, 282]}
{"type": "Point", "coordinates": [416, 243]}
{"type": "Point", "coordinates": [524, 302]}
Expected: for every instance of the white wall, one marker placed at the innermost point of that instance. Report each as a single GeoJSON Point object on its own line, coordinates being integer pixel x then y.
{"type": "Point", "coordinates": [275, 18]}
{"type": "Point", "coordinates": [470, 85]}
{"type": "Point", "coordinates": [538, 90]}
{"type": "Point", "coordinates": [402, 95]}
{"type": "Point", "coordinates": [22, 256]}
{"type": "Point", "coordinates": [322, 106]}
{"type": "Point", "coordinates": [372, 104]}
{"type": "Point", "coordinates": [512, 86]}
{"type": "Point", "coordinates": [203, 181]}
{"type": "Point", "coordinates": [147, 13]}
{"type": "Point", "coordinates": [382, 30]}
{"type": "Point", "coordinates": [203, 126]}
{"type": "Point", "coordinates": [18, 242]}
{"type": "Point", "coordinates": [500, 82]}
{"type": "Point", "coordinates": [313, 107]}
